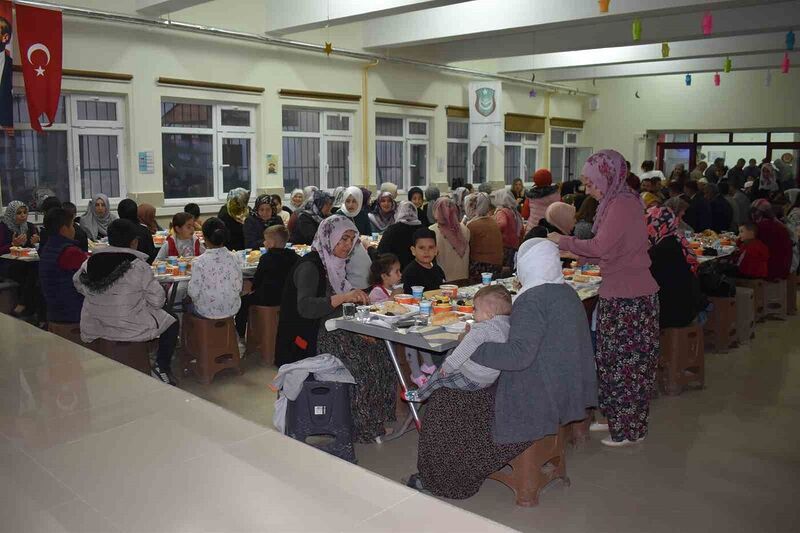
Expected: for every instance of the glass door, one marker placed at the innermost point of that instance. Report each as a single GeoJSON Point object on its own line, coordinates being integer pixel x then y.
{"type": "Point", "coordinates": [671, 154]}
{"type": "Point", "coordinates": [418, 161]}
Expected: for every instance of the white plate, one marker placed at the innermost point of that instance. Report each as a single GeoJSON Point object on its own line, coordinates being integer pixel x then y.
{"type": "Point", "coordinates": [456, 327]}
{"type": "Point", "coordinates": [413, 310]}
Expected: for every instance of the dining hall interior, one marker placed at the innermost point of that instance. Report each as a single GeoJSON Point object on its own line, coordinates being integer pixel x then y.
{"type": "Point", "coordinates": [448, 265]}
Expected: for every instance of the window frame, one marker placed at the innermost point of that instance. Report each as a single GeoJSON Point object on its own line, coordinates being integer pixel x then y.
{"type": "Point", "coordinates": [470, 162]}
{"type": "Point", "coordinates": [524, 144]}
{"type": "Point", "coordinates": [408, 139]}
{"type": "Point", "coordinates": [563, 146]}
{"type": "Point", "coordinates": [217, 132]}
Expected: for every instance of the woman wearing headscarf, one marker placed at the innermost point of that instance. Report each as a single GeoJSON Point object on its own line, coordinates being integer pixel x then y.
{"type": "Point", "coordinates": [147, 217]}
{"type": "Point", "coordinates": [382, 214]}
{"type": "Point", "coordinates": [547, 379]}
{"type": "Point", "coordinates": [264, 215]}
{"type": "Point", "coordinates": [458, 199]}
{"type": "Point", "coordinates": [431, 195]}
{"type": "Point", "coordinates": [295, 201]}
{"type": "Point", "coordinates": [308, 193]}
{"type": "Point", "coordinates": [310, 217]}
{"type": "Point", "coordinates": [540, 196]}
{"type": "Point", "coordinates": [485, 239]}
{"type": "Point", "coordinates": [399, 237]}
{"type": "Point", "coordinates": [16, 231]}
{"type": "Point", "coordinates": [776, 237]}
{"type": "Point", "coordinates": [357, 269]}
{"type": "Point", "coordinates": [97, 217]}
{"type": "Point", "coordinates": [584, 219]}
{"type": "Point", "coordinates": [510, 223]}
{"type": "Point", "coordinates": [766, 186]}
{"type": "Point", "coordinates": [316, 289]}
{"type": "Point", "coordinates": [233, 213]}
{"type": "Point", "coordinates": [128, 210]}
{"type": "Point", "coordinates": [417, 197]}
{"type": "Point", "coordinates": [452, 240]}
{"type": "Point", "coordinates": [627, 312]}
{"type": "Point", "coordinates": [338, 199]}
{"type": "Point", "coordinates": [674, 266]}
{"type": "Point", "coordinates": [391, 188]}
{"type": "Point", "coordinates": [559, 217]}
{"type": "Point", "coordinates": [361, 218]}
{"type": "Point", "coordinates": [678, 206]}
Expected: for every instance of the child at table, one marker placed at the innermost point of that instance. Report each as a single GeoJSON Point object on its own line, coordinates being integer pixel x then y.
{"type": "Point", "coordinates": [753, 257]}
{"type": "Point", "coordinates": [184, 243]}
{"type": "Point", "coordinates": [384, 274]}
{"type": "Point", "coordinates": [270, 276]}
{"type": "Point", "coordinates": [216, 275]}
{"type": "Point", "coordinates": [194, 210]}
{"type": "Point", "coordinates": [492, 324]}
{"type": "Point", "coordinates": [424, 272]}
{"type": "Point", "coordinates": [59, 259]}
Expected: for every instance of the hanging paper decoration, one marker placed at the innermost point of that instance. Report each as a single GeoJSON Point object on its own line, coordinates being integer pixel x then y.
{"type": "Point", "coordinates": [768, 79]}
{"type": "Point", "coordinates": [688, 80]}
{"type": "Point", "coordinates": [603, 5]}
{"type": "Point", "coordinates": [716, 79]}
{"type": "Point", "coordinates": [785, 63]}
{"type": "Point", "coordinates": [664, 49]}
{"type": "Point", "coordinates": [532, 94]}
{"type": "Point", "coordinates": [328, 49]}
{"type": "Point", "coordinates": [790, 40]}
{"type": "Point", "coordinates": [636, 30]}
{"type": "Point", "coordinates": [708, 23]}
{"type": "Point", "coordinates": [728, 65]}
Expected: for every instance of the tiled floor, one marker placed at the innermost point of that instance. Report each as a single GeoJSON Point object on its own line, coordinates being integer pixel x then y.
{"type": "Point", "coordinates": [722, 459]}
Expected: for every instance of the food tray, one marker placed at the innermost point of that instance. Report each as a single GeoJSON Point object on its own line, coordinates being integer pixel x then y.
{"type": "Point", "coordinates": [413, 310]}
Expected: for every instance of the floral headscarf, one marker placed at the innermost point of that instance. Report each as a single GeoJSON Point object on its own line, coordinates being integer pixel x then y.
{"type": "Point", "coordinates": [236, 205]}
{"type": "Point", "coordinates": [377, 217]}
{"type": "Point", "coordinates": [608, 173]}
{"type": "Point", "coordinates": [448, 219]}
{"type": "Point", "coordinates": [504, 199]}
{"type": "Point", "coordinates": [330, 232]}
{"type": "Point", "coordinates": [264, 199]}
{"type": "Point", "coordinates": [94, 224]}
{"type": "Point", "coordinates": [662, 223]}
{"type": "Point", "coordinates": [313, 207]}
{"type": "Point", "coordinates": [477, 205]}
{"type": "Point", "coordinates": [407, 214]}
{"type": "Point", "coordinates": [10, 218]}
{"type": "Point", "coordinates": [338, 197]}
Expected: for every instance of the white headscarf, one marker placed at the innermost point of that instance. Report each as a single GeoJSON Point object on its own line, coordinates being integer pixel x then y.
{"type": "Point", "coordinates": [538, 262]}
{"type": "Point", "coordinates": [290, 205]}
{"type": "Point", "coordinates": [356, 193]}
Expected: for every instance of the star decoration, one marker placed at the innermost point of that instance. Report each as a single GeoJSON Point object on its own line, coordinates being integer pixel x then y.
{"type": "Point", "coordinates": [39, 71]}
{"type": "Point", "coordinates": [328, 48]}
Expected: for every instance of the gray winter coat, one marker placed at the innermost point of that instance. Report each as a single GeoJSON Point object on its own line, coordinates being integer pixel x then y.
{"type": "Point", "coordinates": [122, 299]}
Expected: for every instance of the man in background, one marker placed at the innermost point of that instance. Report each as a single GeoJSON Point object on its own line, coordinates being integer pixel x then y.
{"type": "Point", "coordinates": [736, 177]}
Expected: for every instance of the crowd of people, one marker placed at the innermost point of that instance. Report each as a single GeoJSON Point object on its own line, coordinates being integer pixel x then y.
{"type": "Point", "coordinates": [524, 368]}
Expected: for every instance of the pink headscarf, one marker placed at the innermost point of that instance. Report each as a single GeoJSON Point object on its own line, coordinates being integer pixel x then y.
{"type": "Point", "coordinates": [608, 173]}
{"type": "Point", "coordinates": [448, 219]}
{"type": "Point", "coordinates": [330, 232]}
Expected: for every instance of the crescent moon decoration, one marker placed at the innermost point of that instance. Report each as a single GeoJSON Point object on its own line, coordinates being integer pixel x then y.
{"type": "Point", "coordinates": [637, 94]}
{"type": "Point", "coordinates": [37, 47]}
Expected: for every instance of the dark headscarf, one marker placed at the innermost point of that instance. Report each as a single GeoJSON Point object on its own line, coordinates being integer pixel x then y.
{"type": "Point", "coordinates": [313, 207]}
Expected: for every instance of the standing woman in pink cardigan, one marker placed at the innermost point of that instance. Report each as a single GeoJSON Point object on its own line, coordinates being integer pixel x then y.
{"type": "Point", "coordinates": [627, 313]}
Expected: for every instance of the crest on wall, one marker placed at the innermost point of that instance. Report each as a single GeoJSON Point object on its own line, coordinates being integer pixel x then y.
{"type": "Point", "coordinates": [485, 102]}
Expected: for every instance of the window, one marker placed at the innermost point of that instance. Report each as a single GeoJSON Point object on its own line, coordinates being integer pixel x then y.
{"type": "Point", "coordinates": [564, 154]}
{"type": "Point", "coordinates": [207, 149]}
{"type": "Point", "coordinates": [521, 156]}
{"type": "Point", "coordinates": [80, 155]}
{"type": "Point", "coordinates": [401, 151]}
{"type": "Point", "coordinates": [317, 148]}
{"type": "Point", "coordinates": [458, 168]}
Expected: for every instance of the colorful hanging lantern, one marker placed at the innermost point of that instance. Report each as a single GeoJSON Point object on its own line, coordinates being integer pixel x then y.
{"type": "Point", "coordinates": [768, 79]}
{"type": "Point", "coordinates": [603, 5]}
{"type": "Point", "coordinates": [636, 30]}
{"type": "Point", "coordinates": [785, 63]}
{"type": "Point", "coordinates": [688, 80]}
{"type": "Point", "coordinates": [708, 23]}
{"type": "Point", "coordinates": [664, 49]}
{"type": "Point", "coordinates": [728, 65]}
{"type": "Point", "coordinates": [716, 79]}
{"type": "Point", "coordinates": [790, 40]}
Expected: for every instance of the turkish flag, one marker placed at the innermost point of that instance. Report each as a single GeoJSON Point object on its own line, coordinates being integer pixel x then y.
{"type": "Point", "coordinates": [39, 32]}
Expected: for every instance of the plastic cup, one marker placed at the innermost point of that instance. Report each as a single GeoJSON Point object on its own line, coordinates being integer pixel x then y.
{"type": "Point", "coordinates": [182, 268]}
{"type": "Point", "coordinates": [416, 291]}
{"type": "Point", "coordinates": [162, 268]}
{"type": "Point", "coordinates": [362, 313]}
{"type": "Point", "coordinates": [348, 311]}
{"type": "Point", "coordinates": [173, 260]}
{"type": "Point", "coordinates": [449, 290]}
{"type": "Point", "coordinates": [375, 236]}
{"type": "Point", "coordinates": [486, 278]}
{"type": "Point", "coordinates": [425, 307]}
{"type": "Point", "coordinates": [263, 250]}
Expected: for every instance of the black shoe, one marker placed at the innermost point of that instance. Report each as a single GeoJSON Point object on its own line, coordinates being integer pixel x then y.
{"type": "Point", "coordinates": [163, 375]}
{"type": "Point", "coordinates": [415, 482]}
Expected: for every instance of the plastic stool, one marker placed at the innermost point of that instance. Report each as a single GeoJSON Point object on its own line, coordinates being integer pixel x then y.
{"type": "Point", "coordinates": [758, 296]}
{"type": "Point", "coordinates": [745, 315]}
{"type": "Point", "coordinates": [209, 347]}
{"type": "Point", "coordinates": [543, 462]}
{"type": "Point", "coordinates": [9, 296]}
{"type": "Point", "coordinates": [262, 330]}
{"type": "Point", "coordinates": [720, 329]}
{"type": "Point", "coordinates": [775, 299]}
{"type": "Point", "coordinates": [791, 294]}
{"type": "Point", "coordinates": [323, 409]}
{"type": "Point", "coordinates": [682, 360]}
{"type": "Point", "coordinates": [133, 354]}
{"type": "Point", "coordinates": [71, 332]}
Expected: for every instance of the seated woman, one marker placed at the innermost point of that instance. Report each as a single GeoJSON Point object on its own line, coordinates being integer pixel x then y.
{"type": "Point", "coordinates": [584, 219]}
{"type": "Point", "coordinates": [547, 379]}
{"type": "Point", "coordinates": [233, 214]}
{"type": "Point", "coordinates": [510, 223]}
{"type": "Point", "coordinates": [128, 210]}
{"type": "Point", "coordinates": [295, 201]}
{"type": "Point", "coordinates": [775, 236]}
{"type": "Point", "coordinates": [16, 231]}
{"type": "Point", "coordinates": [280, 210]}
{"type": "Point", "coordinates": [263, 216]}
{"type": "Point", "coordinates": [399, 237]}
{"type": "Point", "coordinates": [417, 197]}
{"type": "Point", "coordinates": [559, 217]}
{"type": "Point", "coordinates": [381, 215]}
{"type": "Point", "coordinates": [97, 217]}
{"type": "Point", "coordinates": [310, 217]}
{"type": "Point", "coordinates": [147, 218]}
{"type": "Point", "coordinates": [452, 240]}
{"type": "Point", "coordinates": [485, 239]}
{"type": "Point", "coordinates": [359, 263]}
{"type": "Point", "coordinates": [315, 290]}
{"type": "Point", "coordinates": [674, 267]}
{"type": "Point", "coordinates": [59, 259]}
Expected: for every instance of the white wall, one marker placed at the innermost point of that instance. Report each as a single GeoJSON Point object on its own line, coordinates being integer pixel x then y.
{"type": "Point", "coordinates": [741, 102]}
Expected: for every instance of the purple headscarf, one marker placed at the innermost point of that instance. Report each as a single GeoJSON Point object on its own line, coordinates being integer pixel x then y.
{"type": "Point", "coordinates": [608, 173]}
{"type": "Point", "coordinates": [330, 232]}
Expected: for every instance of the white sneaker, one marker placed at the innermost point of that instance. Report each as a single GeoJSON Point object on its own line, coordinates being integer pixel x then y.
{"type": "Point", "coordinates": [597, 426]}
{"type": "Point", "coordinates": [242, 348]}
{"type": "Point", "coordinates": [622, 443]}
